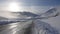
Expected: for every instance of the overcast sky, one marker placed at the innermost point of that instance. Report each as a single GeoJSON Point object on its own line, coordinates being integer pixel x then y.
{"type": "Point", "coordinates": [27, 4]}
{"type": "Point", "coordinates": [34, 2]}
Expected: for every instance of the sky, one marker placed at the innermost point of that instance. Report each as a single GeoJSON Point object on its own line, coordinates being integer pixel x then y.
{"type": "Point", "coordinates": [29, 5]}
{"type": "Point", "coordinates": [35, 2]}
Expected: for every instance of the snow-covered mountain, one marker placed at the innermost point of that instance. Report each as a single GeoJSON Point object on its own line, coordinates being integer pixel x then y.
{"type": "Point", "coordinates": [38, 27]}
{"type": "Point", "coordinates": [26, 15]}
{"type": "Point", "coordinates": [49, 13]}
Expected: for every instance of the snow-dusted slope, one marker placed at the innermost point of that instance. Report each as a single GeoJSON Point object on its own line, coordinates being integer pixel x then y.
{"type": "Point", "coordinates": [40, 27]}
{"type": "Point", "coordinates": [50, 13]}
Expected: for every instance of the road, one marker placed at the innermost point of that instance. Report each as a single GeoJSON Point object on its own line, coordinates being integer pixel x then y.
{"type": "Point", "coordinates": [15, 28]}
{"type": "Point", "coordinates": [28, 27]}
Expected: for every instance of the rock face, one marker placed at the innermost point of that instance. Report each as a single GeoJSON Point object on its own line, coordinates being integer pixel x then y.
{"type": "Point", "coordinates": [40, 27]}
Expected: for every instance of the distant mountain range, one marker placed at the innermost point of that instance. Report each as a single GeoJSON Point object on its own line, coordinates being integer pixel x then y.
{"type": "Point", "coordinates": [27, 15]}
{"type": "Point", "coordinates": [10, 15]}
{"type": "Point", "coordinates": [50, 13]}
